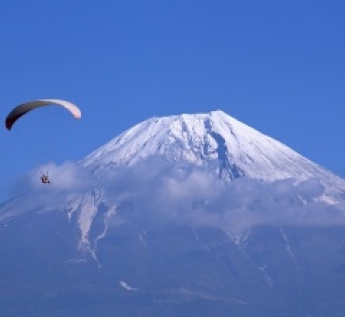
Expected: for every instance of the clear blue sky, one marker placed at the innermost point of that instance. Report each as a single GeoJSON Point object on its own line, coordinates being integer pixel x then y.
{"type": "Point", "coordinates": [278, 66]}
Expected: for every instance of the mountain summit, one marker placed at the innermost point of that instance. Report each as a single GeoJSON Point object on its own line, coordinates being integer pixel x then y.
{"type": "Point", "coordinates": [213, 141]}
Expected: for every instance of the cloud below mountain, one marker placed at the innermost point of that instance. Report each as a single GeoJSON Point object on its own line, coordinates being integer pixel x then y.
{"type": "Point", "coordinates": [156, 194]}
{"type": "Point", "coordinates": [68, 176]}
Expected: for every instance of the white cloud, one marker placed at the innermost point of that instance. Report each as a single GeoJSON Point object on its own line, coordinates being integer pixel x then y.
{"type": "Point", "coordinates": [154, 193]}
{"type": "Point", "coordinates": [65, 177]}
{"type": "Point", "coordinates": [192, 197]}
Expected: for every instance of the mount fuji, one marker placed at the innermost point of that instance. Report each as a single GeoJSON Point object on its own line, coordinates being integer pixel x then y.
{"type": "Point", "coordinates": [188, 215]}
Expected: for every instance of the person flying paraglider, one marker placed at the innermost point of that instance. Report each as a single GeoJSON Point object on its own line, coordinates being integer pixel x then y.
{"type": "Point", "coordinates": [26, 107]}
{"type": "Point", "coordinates": [45, 178]}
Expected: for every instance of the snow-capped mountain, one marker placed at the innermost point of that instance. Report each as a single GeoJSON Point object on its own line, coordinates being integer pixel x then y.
{"type": "Point", "coordinates": [184, 215]}
{"type": "Point", "coordinates": [213, 141]}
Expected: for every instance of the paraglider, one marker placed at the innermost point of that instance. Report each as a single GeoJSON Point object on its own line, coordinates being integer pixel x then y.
{"type": "Point", "coordinates": [24, 108]}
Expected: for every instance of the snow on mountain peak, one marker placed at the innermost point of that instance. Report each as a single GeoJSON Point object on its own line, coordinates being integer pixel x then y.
{"type": "Point", "coordinates": [194, 138]}
{"type": "Point", "coordinates": [214, 141]}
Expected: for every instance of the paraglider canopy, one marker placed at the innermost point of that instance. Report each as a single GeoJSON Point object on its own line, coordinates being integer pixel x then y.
{"type": "Point", "coordinates": [24, 108]}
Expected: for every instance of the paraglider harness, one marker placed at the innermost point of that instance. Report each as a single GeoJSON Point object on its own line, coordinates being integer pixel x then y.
{"type": "Point", "coordinates": [44, 178]}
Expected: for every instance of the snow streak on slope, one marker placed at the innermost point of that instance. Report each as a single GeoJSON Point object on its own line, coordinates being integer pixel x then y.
{"type": "Point", "coordinates": [215, 142]}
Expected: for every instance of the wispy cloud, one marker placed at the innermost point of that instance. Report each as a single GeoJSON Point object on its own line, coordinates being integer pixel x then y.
{"type": "Point", "coordinates": [158, 194]}
{"type": "Point", "coordinates": [66, 177]}
{"type": "Point", "coordinates": [155, 193]}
